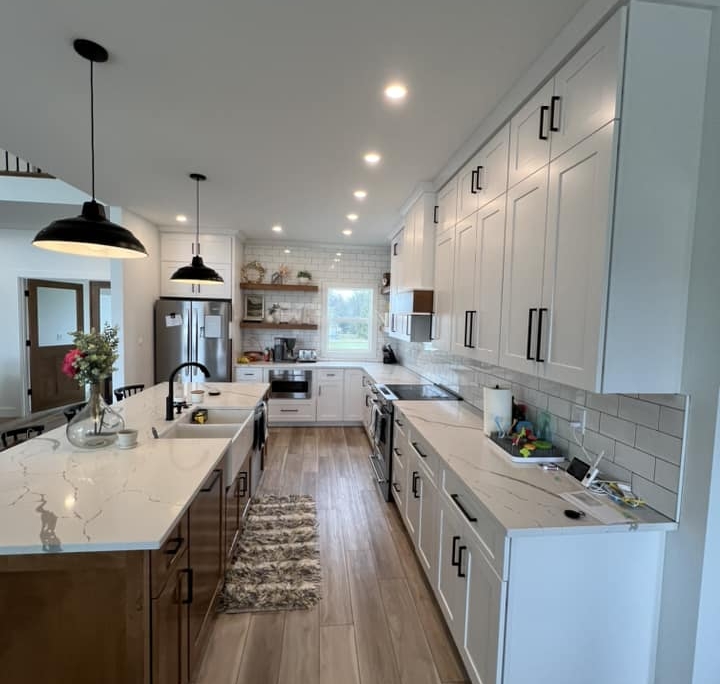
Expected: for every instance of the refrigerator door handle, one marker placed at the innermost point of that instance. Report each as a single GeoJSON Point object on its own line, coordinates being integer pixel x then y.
{"type": "Point", "coordinates": [197, 336]}
{"type": "Point", "coordinates": [189, 333]}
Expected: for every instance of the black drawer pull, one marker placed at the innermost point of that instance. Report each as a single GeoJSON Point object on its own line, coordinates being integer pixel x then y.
{"type": "Point", "coordinates": [459, 561]}
{"type": "Point", "coordinates": [477, 178]}
{"type": "Point", "coordinates": [177, 542]}
{"type": "Point", "coordinates": [415, 478]}
{"type": "Point", "coordinates": [473, 181]}
{"type": "Point", "coordinates": [244, 481]}
{"type": "Point", "coordinates": [456, 499]}
{"type": "Point", "coordinates": [396, 487]}
{"type": "Point", "coordinates": [211, 486]}
{"type": "Point", "coordinates": [539, 336]}
{"type": "Point", "coordinates": [453, 562]}
{"type": "Point", "coordinates": [542, 135]}
{"type": "Point", "coordinates": [190, 583]}
{"type": "Point", "coordinates": [435, 214]}
{"type": "Point", "coordinates": [420, 453]}
{"type": "Point", "coordinates": [554, 100]}
{"type": "Point", "coordinates": [398, 423]}
{"type": "Point", "coordinates": [396, 452]}
{"type": "Point", "coordinates": [289, 410]}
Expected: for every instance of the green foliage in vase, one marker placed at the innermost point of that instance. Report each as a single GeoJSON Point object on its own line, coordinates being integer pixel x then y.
{"type": "Point", "coordinates": [93, 357]}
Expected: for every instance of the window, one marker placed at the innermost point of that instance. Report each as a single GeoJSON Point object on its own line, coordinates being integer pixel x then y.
{"type": "Point", "coordinates": [349, 315]}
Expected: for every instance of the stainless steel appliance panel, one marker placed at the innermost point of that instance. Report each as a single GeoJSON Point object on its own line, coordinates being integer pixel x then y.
{"type": "Point", "coordinates": [290, 384]}
{"type": "Point", "coordinates": [211, 345]}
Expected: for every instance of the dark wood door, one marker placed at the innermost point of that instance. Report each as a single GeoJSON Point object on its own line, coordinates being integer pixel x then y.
{"type": "Point", "coordinates": [54, 310]}
{"type": "Point", "coordinates": [170, 626]}
{"type": "Point", "coordinates": [207, 560]}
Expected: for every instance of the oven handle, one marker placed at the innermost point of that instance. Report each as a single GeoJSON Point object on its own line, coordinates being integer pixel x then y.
{"type": "Point", "coordinates": [380, 478]}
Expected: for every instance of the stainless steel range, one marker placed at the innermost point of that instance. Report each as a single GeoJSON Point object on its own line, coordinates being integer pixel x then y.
{"type": "Point", "coordinates": [382, 423]}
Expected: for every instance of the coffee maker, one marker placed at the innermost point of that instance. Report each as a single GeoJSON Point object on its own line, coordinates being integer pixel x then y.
{"type": "Point", "coordinates": [284, 348]}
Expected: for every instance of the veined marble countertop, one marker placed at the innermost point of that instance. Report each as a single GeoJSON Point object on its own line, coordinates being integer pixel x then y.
{"type": "Point", "coordinates": [524, 498]}
{"type": "Point", "coordinates": [383, 373]}
{"type": "Point", "coordinates": [55, 497]}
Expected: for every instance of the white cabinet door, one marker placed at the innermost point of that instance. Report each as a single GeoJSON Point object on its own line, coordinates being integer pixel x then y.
{"type": "Point", "coordinates": [418, 245]}
{"type": "Point", "coordinates": [169, 288]}
{"type": "Point", "coordinates": [522, 277]}
{"type": "Point", "coordinates": [492, 176]}
{"type": "Point", "coordinates": [490, 248]}
{"type": "Point", "coordinates": [468, 194]}
{"type": "Point", "coordinates": [412, 497]}
{"type": "Point", "coordinates": [530, 136]}
{"type": "Point", "coordinates": [443, 288]}
{"type": "Point", "coordinates": [588, 87]}
{"type": "Point", "coordinates": [464, 284]}
{"type": "Point", "coordinates": [400, 456]}
{"type": "Point", "coordinates": [485, 596]}
{"type": "Point", "coordinates": [447, 206]}
{"type": "Point", "coordinates": [354, 401]}
{"type": "Point", "coordinates": [397, 250]}
{"type": "Point", "coordinates": [215, 249]}
{"type": "Point", "coordinates": [330, 400]}
{"type": "Point", "coordinates": [577, 255]}
{"type": "Point", "coordinates": [246, 374]}
{"type": "Point", "coordinates": [450, 587]}
{"type": "Point", "coordinates": [426, 543]}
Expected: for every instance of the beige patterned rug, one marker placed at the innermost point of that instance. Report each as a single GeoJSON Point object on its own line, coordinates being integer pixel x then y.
{"type": "Point", "coordinates": [276, 565]}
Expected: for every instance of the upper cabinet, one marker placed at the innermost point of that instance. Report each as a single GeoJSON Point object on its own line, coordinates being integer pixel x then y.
{"type": "Point", "coordinates": [582, 97]}
{"type": "Point", "coordinates": [443, 289]}
{"type": "Point", "coordinates": [447, 206]}
{"type": "Point", "coordinates": [412, 249]}
{"type": "Point", "coordinates": [178, 249]}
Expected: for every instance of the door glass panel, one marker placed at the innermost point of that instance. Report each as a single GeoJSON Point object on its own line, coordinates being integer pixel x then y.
{"type": "Point", "coordinates": [105, 307]}
{"type": "Point", "coordinates": [57, 316]}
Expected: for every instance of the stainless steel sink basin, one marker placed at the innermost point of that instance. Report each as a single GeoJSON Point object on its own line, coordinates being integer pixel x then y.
{"type": "Point", "coordinates": [208, 431]}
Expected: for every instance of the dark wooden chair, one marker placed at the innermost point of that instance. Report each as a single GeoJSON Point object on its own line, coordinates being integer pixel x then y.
{"type": "Point", "coordinates": [127, 391]}
{"type": "Point", "coordinates": [11, 437]}
{"type": "Point", "coordinates": [71, 411]}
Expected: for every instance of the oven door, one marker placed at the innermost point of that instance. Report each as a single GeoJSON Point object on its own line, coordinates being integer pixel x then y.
{"type": "Point", "coordinates": [380, 456]}
{"type": "Point", "coordinates": [290, 384]}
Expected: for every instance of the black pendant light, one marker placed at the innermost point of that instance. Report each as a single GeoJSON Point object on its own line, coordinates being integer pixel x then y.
{"type": "Point", "coordinates": [197, 273]}
{"type": "Point", "coordinates": [90, 234]}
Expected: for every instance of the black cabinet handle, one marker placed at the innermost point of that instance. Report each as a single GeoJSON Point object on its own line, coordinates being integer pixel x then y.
{"type": "Point", "coordinates": [395, 246]}
{"type": "Point", "coordinates": [471, 327]}
{"type": "Point", "coordinates": [459, 561]}
{"type": "Point", "coordinates": [529, 335]}
{"type": "Point", "coordinates": [554, 100]}
{"type": "Point", "coordinates": [397, 453]}
{"type": "Point", "coordinates": [289, 410]}
{"type": "Point", "coordinates": [244, 480]}
{"type": "Point", "coordinates": [539, 336]}
{"type": "Point", "coordinates": [456, 499]}
{"type": "Point", "coordinates": [415, 478]}
{"type": "Point", "coordinates": [541, 134]}
{"type": "Point", "coordinates": [396, 487]}
{"type": "Point", "coordinates": [453, 562]}
{"type": "Point", "coordinates": [392, 323]}
{"type": "Point", "coordinates": [211, 486]}
{"type": "Point", "coordinates": [465, 337]}
{"type": "Point", "coordinates": [190, 585]}
{"type": "Point", "coordinates": [417, 448]}
{"type": "Point", "coordinates": [478, 187]}
{"type": "Point", "coordinates": [435, 214]}
{"type": "Point", "coordinates": [398, 423]}
{"type": "Point", "coordinates": [473, 181]}
{"type": "Point", "coordinates": [177, 541]}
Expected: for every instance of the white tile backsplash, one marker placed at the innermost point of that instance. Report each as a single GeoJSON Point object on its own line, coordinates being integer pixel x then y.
{"type": "Point", "coordinates": [640, 434]}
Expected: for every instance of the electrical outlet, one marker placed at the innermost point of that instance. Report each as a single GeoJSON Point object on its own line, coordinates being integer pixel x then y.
{"type": "Point", "coordinates": [578, 418]}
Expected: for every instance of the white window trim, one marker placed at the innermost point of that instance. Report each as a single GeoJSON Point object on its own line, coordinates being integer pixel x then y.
{"type": "Point", "coordinates": [369, 355]}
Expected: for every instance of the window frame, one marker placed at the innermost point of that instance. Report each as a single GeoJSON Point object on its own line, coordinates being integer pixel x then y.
{"type": "Point", "coordinates": [326, 352]}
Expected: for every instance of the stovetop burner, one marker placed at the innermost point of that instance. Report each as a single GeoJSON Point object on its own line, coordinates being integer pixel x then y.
{"type": "Point", "coordinates": [419, 392]}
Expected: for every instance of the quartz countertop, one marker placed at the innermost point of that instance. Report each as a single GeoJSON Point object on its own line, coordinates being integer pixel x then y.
{"type": "Point", "coordinates": [524, 498]}
{"type": "Point", "coordinates": [55, 497]}
{"type": "Point", "coordinates": [383, 373]}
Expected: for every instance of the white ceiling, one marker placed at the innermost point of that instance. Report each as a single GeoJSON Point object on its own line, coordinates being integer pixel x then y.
{"type": "Point", "coordinates": [275, 100]}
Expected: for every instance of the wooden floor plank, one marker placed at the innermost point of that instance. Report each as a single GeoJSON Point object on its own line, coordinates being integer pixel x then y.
{"type": "Point", "coordinates": [300, 661]}
{"type": "Point", "coordinates": [221, 663]}
{"type": "Point", "coordinates": [412, 654]}
{"type": "Point", "coordinates": [376, 658]}
{"type": "Point", "coordinates": [356, 535]}
{"type": "Point", "coordinates": [382, 542]}
{"type": "Point", "coordinates": [335, 607]}
{"type": "Point", "coordinates": [338, 657]}
{"type": "Point", "coordinates": [263, 649]}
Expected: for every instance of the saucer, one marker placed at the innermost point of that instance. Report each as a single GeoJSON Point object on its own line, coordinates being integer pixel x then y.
{"type": "Point", "coordinates": [129, 446]}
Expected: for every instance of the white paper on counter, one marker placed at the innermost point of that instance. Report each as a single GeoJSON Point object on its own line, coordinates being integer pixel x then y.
{"type": "Point", "coordinates": [212, 326]}
{"type": "Point", "coordinates": [173, 320]}
{"type": "Point", "coordinates": [596, 507]}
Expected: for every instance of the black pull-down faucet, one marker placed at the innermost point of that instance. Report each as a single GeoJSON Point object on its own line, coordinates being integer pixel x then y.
{"type": "Point", "coordinates": [169, 399]}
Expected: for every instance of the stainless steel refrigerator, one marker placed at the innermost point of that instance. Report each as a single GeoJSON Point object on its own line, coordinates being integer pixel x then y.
{"type": "Point", "coordinates": [193, 330]}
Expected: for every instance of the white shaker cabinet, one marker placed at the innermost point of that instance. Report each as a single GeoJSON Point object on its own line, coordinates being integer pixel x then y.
{"type": "Point", "coordinates": [492, 175]}
{"type": "Point", "coordinates": [450, 586]}
{"type": "Point", "coordinates": [443, 291]}
{"type": "Point", "coordinates": [447, 206]}
{"type": "Point", "coordinates": [418, 245]}
{"type": "Point", "coordinates": [523, 271]}
{"type": "Point", "coordinates": [464, 284]}
{"type": "Point", "coordinates": [354, 396]}
{"type": "Point", "coordinates": [397, 261]}
{"type": "Point", "coordinates": [170, 288]}
{"type": "Point", "coordinates": [588, 88]}
{"type": "Point", "coordinates": [330, 394]}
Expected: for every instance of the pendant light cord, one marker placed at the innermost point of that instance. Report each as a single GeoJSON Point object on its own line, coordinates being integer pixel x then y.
{"type": "Point", "coordinates": [92, 128]}
{"type": "Point", "coordinates": [197, 215]}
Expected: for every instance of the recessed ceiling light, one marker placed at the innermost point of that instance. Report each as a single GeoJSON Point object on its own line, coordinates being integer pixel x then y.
{"type": "Point", "coordinates": [338, 253]}
{"type": "Point", "coordinates": [277, 229]}
{"type": "Point", "coordinates": [347, 231]}
{"type": "Point", "coordinates": [360, 194]}
{"type": "Point", "coordinates": [287, 251]}
{"type": "Point", "coordinates": [336, 260]}
{"type": "Point", "coordinates": [352, 217]}
{"type": "Point", "coordinates": [372, 158]}
{"type": "Point", "coordinates": [181, 218]}
{"type": "Point", "coordinates": [396, 91]}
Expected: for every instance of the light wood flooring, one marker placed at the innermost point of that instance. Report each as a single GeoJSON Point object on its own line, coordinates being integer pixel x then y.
{"type": "Point", "coordinates": [378, 622]}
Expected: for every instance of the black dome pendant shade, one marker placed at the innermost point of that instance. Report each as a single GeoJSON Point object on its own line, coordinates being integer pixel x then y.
{"type": "Point", "coordinates": [197, 273]}
{"type": "Point", "coordinates": [90, 234]}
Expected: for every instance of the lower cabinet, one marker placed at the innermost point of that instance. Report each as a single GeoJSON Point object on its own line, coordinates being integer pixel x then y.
{"type": "Point", "coordinates": [237, 496]}
{"type": "Point", "coordinates": [400, 457]}
{"type": "Point", "coordinates": [330, 397]}
{"type": "Point", "coordinates": [354, 399]}
{"type": "Point", "coordinates": [207, 561]}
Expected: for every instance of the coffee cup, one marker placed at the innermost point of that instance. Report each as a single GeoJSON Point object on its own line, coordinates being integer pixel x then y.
{"type": "Point", "coordinates": [127, 437]}
{"type": "Point", "coordinates": [196, 396]}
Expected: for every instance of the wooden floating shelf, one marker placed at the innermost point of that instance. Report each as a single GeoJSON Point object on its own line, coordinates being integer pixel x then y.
{"type": "Point", "coordinates": [276, 288]}
{"type": "Point", "coordinates": [277, 326]}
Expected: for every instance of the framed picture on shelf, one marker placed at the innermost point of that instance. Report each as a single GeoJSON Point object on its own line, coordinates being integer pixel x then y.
{"type": "Point", "coordinates": [254, 308]}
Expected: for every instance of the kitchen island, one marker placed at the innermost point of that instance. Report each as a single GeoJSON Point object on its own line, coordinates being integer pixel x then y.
{"type": "Point", "coordinates": [110, 560]}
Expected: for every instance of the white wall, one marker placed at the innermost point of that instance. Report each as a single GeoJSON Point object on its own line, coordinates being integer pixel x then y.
{"type": "Point", "coordinates": [135, 287]}
{"type": "Point", "coordinates": [19, 259]}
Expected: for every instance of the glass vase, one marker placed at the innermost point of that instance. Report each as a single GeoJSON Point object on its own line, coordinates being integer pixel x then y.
{"type": "Point", "coordinates": [96, 425]}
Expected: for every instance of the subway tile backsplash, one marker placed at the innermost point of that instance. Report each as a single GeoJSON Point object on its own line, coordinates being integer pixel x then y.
{"type": "Point", "coordinates": [641, 435]}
